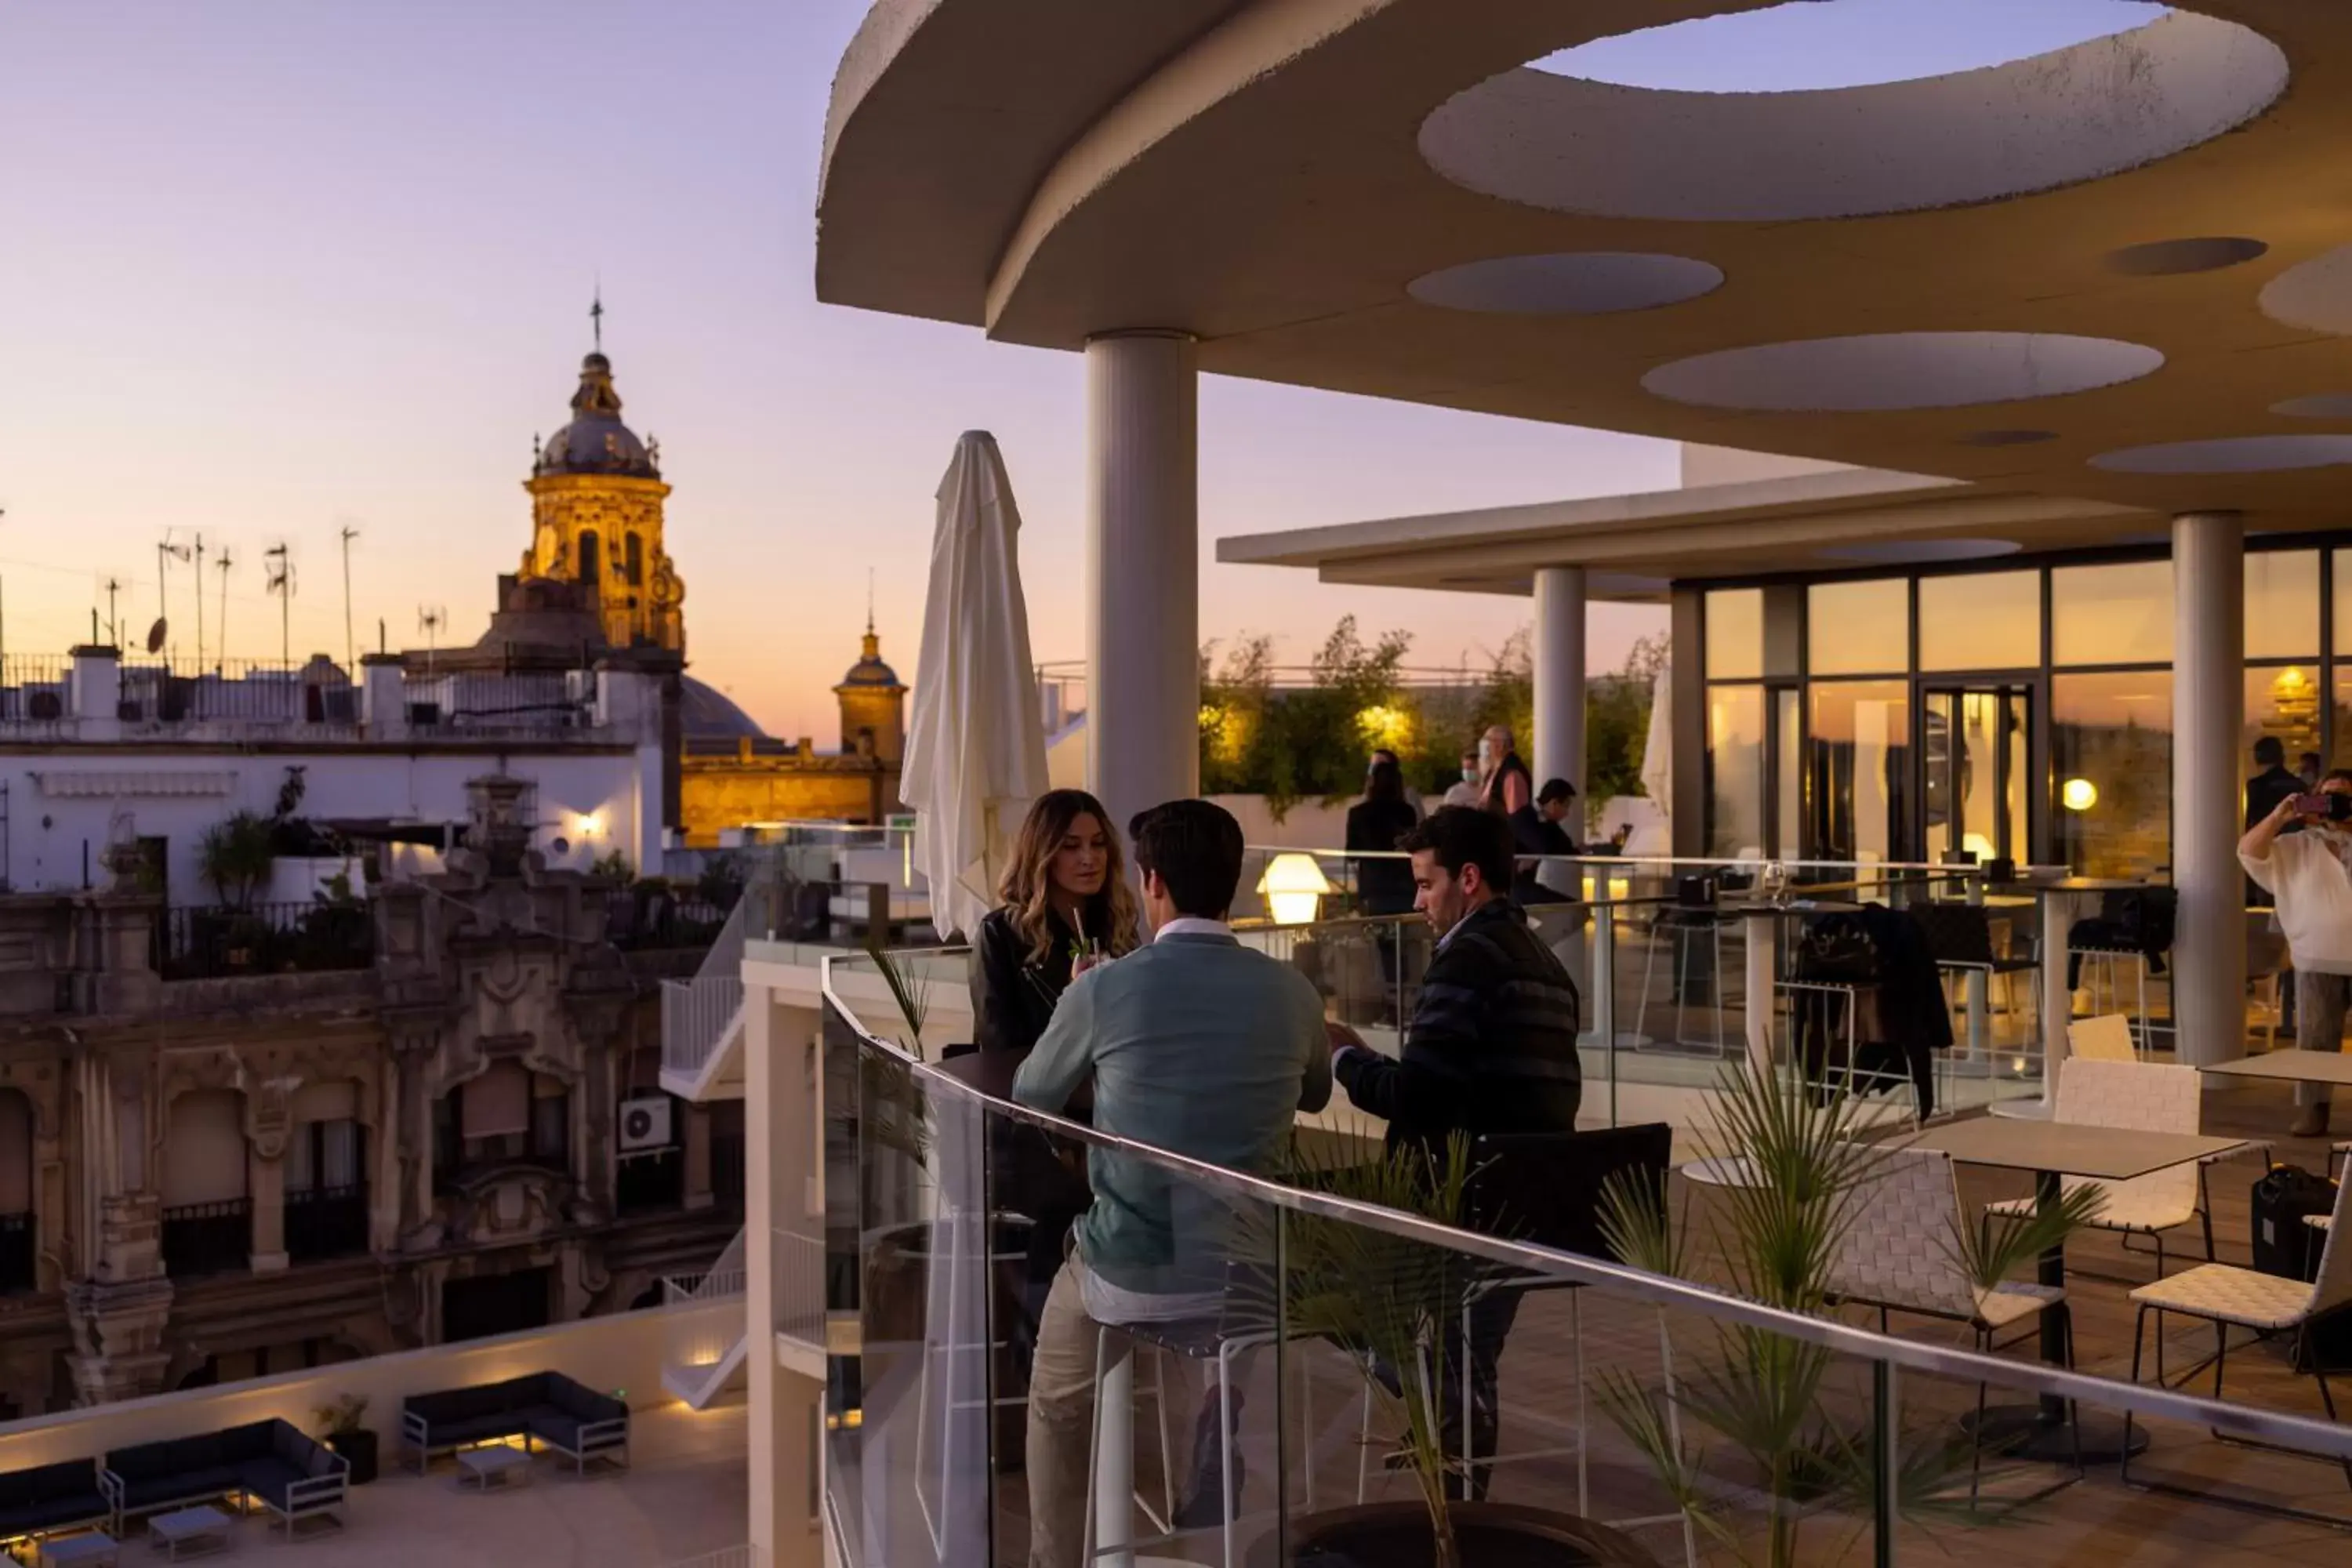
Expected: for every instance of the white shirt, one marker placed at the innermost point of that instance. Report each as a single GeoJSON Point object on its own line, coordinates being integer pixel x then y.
{"type": "Point", "coordinates": [1193, 925]}
{"type": "Point", "coordinates": [2306, 873]}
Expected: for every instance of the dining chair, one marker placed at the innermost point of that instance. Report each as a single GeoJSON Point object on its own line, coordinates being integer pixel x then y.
{"type": "Point", "coordinates": [2106, 1038]}
{"type": "Point", "coordinates": [1898, 1255]}
{"type": "Point", "coordinates": [2141, 1097]}
{"type": "Point", "coordinates": [2269, 1305]}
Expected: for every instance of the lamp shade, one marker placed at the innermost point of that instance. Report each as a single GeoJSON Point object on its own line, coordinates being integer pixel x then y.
{"type": "Point", "coordinates": [1294, 886]}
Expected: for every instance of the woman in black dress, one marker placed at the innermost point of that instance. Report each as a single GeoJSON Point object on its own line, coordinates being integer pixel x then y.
{"type": "Point", "coordinates": [1383, 887]}
{"type": "Point", "coordinates": [1068, 906]}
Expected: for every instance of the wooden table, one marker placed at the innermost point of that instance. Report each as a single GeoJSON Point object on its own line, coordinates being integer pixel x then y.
{"type": "Point", "coordinates": [2054, 1151]}
{"type": "Point", "coordinates": [2289, 1067]}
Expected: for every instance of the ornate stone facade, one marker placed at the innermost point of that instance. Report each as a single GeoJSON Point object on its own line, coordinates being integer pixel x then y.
{"type": "Point", "coordinates": [596, 519]}
{"type": "Point", "coordinates": [231, 1176]}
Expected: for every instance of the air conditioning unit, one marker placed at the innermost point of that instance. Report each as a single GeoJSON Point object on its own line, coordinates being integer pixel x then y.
{"type": "Point", "coordinates": [645, 1123]}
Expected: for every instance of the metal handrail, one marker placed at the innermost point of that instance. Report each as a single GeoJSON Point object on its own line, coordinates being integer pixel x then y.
{"type": "Point", "coordinates": [1665, 1290]}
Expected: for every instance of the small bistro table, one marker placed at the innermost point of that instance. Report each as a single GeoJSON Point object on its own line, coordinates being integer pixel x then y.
{"type": "Point", "coordinates": [496, 1465]}
{"type": "Point", "coordinates": [93, 1549]}
{"type": "Point", "coordinates": [2053, 1150]}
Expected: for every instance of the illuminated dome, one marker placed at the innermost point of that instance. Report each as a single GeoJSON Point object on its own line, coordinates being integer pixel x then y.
{"type": "Point", "coordinates": [596, 442]}
{"type": "Point", "coordinates": [869, 670]}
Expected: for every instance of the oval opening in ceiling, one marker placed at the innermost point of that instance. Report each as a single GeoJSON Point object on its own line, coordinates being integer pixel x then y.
{"type": "Point", "coordinates": [2070, 115]}
{"type": "Point", "coordinates": [1811, 45]}
{"type": "Point", "coordinates": [1566, 283]}
{"type": "Point", "coordinates": [1887, 370]}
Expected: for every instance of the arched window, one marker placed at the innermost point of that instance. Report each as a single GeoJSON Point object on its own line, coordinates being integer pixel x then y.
{"type": "Point", "coordinates": [636, 556]}
{"type": "Point", "coordinates": [589, 563]}
{"type": "Point", "coordinates": [19, 1242]}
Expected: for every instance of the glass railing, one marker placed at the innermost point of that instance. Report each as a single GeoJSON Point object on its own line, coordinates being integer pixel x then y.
{"type": "Point", "coordinates": [1315, 1362]}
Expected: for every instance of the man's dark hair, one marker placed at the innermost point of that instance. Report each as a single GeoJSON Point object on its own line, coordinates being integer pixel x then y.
{"type": "Point", "coordinates": [1554, 789]}
{"type": "Point", "coordinates": [2271, 752]}
{"type": "Point", "coordinates": [1195, 847]}
{"type": "Point", "coordinates": [1461, 836]}
{"type": "Point", "coordinates": [2333, 775]}
{"type": "Point", "coordinates": [2310, 759]}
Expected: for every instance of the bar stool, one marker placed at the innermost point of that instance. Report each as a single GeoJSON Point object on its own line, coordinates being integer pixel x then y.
{"type": "Point", "coordinates": [1680, 925]}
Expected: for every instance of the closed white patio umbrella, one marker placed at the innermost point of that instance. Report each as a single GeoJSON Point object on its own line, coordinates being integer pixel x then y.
{"type": "Point", "coordinates": [1658, 748]}
{"type": "Point", "coordinates": [976, 748]}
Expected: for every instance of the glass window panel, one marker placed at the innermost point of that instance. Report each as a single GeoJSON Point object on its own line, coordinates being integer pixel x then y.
{"type": "Point", "coordinates": [1858, 757]}
{"type": "Point", "coordinates": [2111, 752]}
{"type": "Point", "coordinates": [1858, 628]}
{"type": "Point", "coordinates": [1734, 753]}
{"type": "Point", "coordinates": [2283, 700]}
{"type": "Point", "coordinates": [1990, 620]}
{"type": "Point", "coordinates": [1788, 786]}
{"type": "Point", "coordinates": [2120, 614]}
{"type": "Point", "coordinates": [2343, 757]}
{"type": "Point", "coordinates": [2283, 604]}
{"type": "Point", "coordinates": [1735, 634]}
{"type": "Point", "coordinates": [2343, 568]}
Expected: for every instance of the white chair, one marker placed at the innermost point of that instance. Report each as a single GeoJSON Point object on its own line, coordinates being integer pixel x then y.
{"type": "Point", "coordinates": [2142, 1097]}
{"type": "Point", "coordinates": [2106, 1038]}
{"type": "Point", "coordinates": [1899, 1255]}
{"type": "Point", "coordinates": [2229, 1296]}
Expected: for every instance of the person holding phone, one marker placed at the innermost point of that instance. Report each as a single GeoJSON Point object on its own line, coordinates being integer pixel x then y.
{"type": "Point", "coordinates": [1067, 906]}
{"type": "Point", "coordinates": [2309, 874]}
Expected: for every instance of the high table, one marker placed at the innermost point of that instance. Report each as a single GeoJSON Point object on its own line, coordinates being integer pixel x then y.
{"type": "Point", "coordinates": [2051, 1150]}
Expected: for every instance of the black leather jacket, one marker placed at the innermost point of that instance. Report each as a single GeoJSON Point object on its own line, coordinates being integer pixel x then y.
{"type": "Point", "coordinates": [1013, 999]}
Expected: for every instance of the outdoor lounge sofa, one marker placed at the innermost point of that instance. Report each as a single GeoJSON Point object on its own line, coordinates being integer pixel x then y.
{"type": "Point", "coordinates": [544, 1407]}
{"type": "Point", "coordinates": [52, 1497]}
{"type": "Point", "coordinates": [294, 1475]}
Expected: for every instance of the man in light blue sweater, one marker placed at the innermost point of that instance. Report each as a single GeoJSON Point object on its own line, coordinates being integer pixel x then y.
{"type": "Point", "coordinates": [1196, 1045]}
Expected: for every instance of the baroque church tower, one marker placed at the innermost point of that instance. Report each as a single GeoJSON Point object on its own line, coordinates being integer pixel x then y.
{"type": "Point", "coordinates": [596, 496]}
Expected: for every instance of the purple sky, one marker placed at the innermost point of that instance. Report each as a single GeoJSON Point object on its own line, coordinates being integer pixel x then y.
{"type": "Point", "coordinates": [274, 266]}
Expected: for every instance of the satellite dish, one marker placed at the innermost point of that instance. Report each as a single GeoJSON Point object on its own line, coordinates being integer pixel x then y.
{"type": "Point", "coordinates": [155, 635]}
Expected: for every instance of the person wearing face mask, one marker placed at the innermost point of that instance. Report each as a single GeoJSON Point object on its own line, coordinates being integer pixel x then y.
{"type": "Point", "coordinates": [1464, 789]}
{"type": "Point", "coordinates": [2309, 873]}
{"type": "Point", "coordinates": [1506, 786]}
{"type": "Point", "coordinates": [1068, 906]}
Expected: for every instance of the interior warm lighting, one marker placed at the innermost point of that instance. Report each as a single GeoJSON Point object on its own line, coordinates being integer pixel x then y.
{"type": "Point", "coordinates": [1976, 844]}
{"type": "Point", "coordinates": [2078, 794]}
{"type": "Point", "coordinates": [1294, 886]}
{"type": "Point", "coordinates": [588, 825]}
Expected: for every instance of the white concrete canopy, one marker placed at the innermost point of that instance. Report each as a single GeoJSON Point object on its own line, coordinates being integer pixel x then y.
{"type": "Point", "coordinates": [1272, 177]}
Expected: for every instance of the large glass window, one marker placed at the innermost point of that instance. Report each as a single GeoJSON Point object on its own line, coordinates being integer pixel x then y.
{"type": "Point", "coordinates": [1859, 764]}
{"type": "Point", "coordinates": [1735, 754]}
{"type": "Point", "coordinates": [1788, 782]}
{"type": "Point", "coordinates": [1989, 621]}
{"type": "Point", "coordinates": [2111, 752]}
{"type": "Point", "coordinates": [2283, 604]}
{"type": "Point", "coordinates": [2284, 700]}
{"type": "Point", "coordinates": [2119, 613]}
{"type": "Point", "coordinates": [1735, 634]}
{"type": "Point", "coordinates": [1858, 628]}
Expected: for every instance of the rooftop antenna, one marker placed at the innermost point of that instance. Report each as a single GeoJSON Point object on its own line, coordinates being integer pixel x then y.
{"type": "Point", "coordinates": [281, 581]}
{"type": "Point", "coordinates": [200, 601]}
{"type": "Point", "coordinates": [113, 623]}
{"type": "Point", "coordinates": [166, 550]}
{"type": "Point", "coordinates": [221, 652]}
{"type": "Point", "coordinates": [351, 648]}
{"type": "Point", "coordinates": [429, 620]}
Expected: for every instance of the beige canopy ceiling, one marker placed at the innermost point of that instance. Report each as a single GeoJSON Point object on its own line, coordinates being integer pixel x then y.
{"type": "Point", "coordinates": [2099, 274]}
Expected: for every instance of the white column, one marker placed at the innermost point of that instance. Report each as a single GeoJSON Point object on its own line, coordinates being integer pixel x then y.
{"type": "Point", "coordinates": [1560, 675]}
{"type": "Point", "coordinates": [1143, 610]}
{"type": "Point", "coordinates": [2209, 657]}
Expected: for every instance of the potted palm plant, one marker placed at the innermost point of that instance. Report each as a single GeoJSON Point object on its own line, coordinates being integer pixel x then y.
{"type": "Point", "coordinates": [1389, 1301]}
{"type": "Point", "coordinates": [1810, 1482]}
{"type": "Point", "coordinates": [342, 1429]}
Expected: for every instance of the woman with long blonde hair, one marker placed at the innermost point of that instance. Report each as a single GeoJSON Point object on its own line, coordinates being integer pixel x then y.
{"type": "Point", "coordinates": [1068, 906]}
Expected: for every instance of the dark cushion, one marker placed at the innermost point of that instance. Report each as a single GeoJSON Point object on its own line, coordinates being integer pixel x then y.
{"type": "Point", "coordinates": [270, 1479]}
{"type": "Point", "coordinates": [22, 1488]}
{"type": "Point", "coordinates": [216, 1482]}
{"type": "Point", "coordinates": [22, 1517]}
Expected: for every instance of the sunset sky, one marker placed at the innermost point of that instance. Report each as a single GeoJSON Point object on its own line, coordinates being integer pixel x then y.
{"type": "Point", "coordinates": [274, 267]}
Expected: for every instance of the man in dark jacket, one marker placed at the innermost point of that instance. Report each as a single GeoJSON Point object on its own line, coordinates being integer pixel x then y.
{"type": "Point", "coordinates": [1491, 1049]}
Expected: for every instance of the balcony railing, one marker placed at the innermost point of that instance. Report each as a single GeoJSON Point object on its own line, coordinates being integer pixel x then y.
{"type": "Point", "coordinates": [476, 702]}
{"type": "Point", "coordinates": [19, 1251]}
{"type": "Point", "coordinates": [1643, 1401]}
{"type": "Point", "coordinates": [798, 1267]}
{"type": "Point", "coordinates": [214, 942]}
{"type": "Point", "coordinates": [327, 1222]}
{"type": "Point", "coordinates": [208, 1239]}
